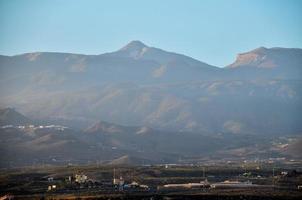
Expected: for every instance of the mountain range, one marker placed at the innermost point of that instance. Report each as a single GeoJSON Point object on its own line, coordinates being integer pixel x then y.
{"type": "Point", "coordinates": [113, 144]}
{"type": "Point", "coordinates": [145, 86]}
{"type": "Point", "coordinates": [144, 94]}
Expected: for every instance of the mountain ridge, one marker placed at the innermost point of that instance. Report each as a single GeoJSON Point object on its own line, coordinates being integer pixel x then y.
{"type": "Point", "coordinates": [27, 145]}
{"type": "Point", "coordinates": [8, 116]}
{"type": "Point", "coordinates": [158, 89]}
{"type": "Point", "coordinates": [260, 55]}
{"type": "Point", "coordinates": [138, 45]}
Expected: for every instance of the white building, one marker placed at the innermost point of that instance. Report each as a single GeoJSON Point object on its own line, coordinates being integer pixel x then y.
{"type": "Point", "coordinates": [80, 178]}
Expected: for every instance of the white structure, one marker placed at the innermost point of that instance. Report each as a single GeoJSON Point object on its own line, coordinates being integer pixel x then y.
{"type": "Point", "coordinates": [188, 185]}
{"type": "Point", "coordinates": [80, 178]}
{"type": "Point", "coordinates": [232, 184]}
{"type": "Point", "coordinates": [52, 187]}
{"type": "Point", "coordinates": [284, 173]}
{"type": "Point", "coordinates": [118, 181]}
{"type": "Point", "coordinates": [135, 185]}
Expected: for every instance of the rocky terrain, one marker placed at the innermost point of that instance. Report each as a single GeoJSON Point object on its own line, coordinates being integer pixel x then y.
{"type": "Point", "coordinates": [142, 104]}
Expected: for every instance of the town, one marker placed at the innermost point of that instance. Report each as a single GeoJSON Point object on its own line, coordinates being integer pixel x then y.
{"type": "Point", "coordinates": [150, 181]}
{"type": "Point", "coordinates": [33, 127]}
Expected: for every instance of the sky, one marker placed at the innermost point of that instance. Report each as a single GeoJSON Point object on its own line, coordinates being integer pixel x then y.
{"type": "Point", "coordinates": [213, 31]}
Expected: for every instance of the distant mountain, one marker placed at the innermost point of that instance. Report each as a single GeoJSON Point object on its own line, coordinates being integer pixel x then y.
{"type": "Point", "coordinates": [139, 51]}
{"type": "Point", "coordinates": [9, 116]}
{"type": "Point", "coordinates": [269, 58]}
{"type": "Point", "coordinates": [102, 127]}
{"type": "Point", "coordinates": [135, 63]}
{"type": "Point", "coordinates": [28, 146]}
{"type": "Point", "coordinates": [146, 105]}
{"type": "Point", "coordinates": [107, 144]}
{"type": "Point", "coordinates": [142, 86]}
{"type": "Point", "coordinates": [281, 63]}
{"type": "Point", "coordinates": [294, 149]}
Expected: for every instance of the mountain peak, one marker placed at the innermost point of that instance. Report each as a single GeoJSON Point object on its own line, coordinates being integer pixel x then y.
{"type": "Point", "coordinates": [260, 48]}
{"type": "Point", "coordinates": [134, 49]}
{"type": "Point", "coordinates": [255, 57]}
{"type": "Point", "coordinates": [134, 45]}
{"type": "Point", "coordinates": [104, 127]}
{"type": "Point", "coordinates": [9, 116]}
{"type": "Point", "coordinates": [263, 57]}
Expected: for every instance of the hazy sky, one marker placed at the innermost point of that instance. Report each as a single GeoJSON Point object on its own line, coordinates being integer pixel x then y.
{"type": "Point", "coordinates": [213, 31]}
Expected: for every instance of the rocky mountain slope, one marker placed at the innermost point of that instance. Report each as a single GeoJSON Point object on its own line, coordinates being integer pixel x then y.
{"type": "Point", "coordinates": [138, 85]}
{"type": "Point", "coordinates": [9, 116]}
{"type": "Point", "coordinates": [268, 63]}
{"type": "Point", "coordinates": [108, 143]}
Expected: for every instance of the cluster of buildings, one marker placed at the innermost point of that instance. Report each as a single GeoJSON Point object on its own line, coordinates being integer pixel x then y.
{"type": "Point", "coordinates": [82, 181]}
{"type": "Point", "coordinates": [122, 185]}
{"type": "Point", "coordinates": [237, 184]}
{"type": "Point", "coordinates": [81, 178]}
{"type": "Point", "coordinates": [118, 183]}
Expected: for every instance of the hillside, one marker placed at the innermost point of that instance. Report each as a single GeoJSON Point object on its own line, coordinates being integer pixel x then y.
{"type": "Point", "coordinates": [138, 85]}
{"type": "Point", "coordinates": [9, 116]}
{"type": "Point", "coordinates": [268, 63]}
{"type": "Point", "coordinates": [114, 144]}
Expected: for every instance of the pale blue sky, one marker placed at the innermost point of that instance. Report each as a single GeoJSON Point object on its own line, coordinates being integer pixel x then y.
{"type": "Point", "coordinates": [213, 31]}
